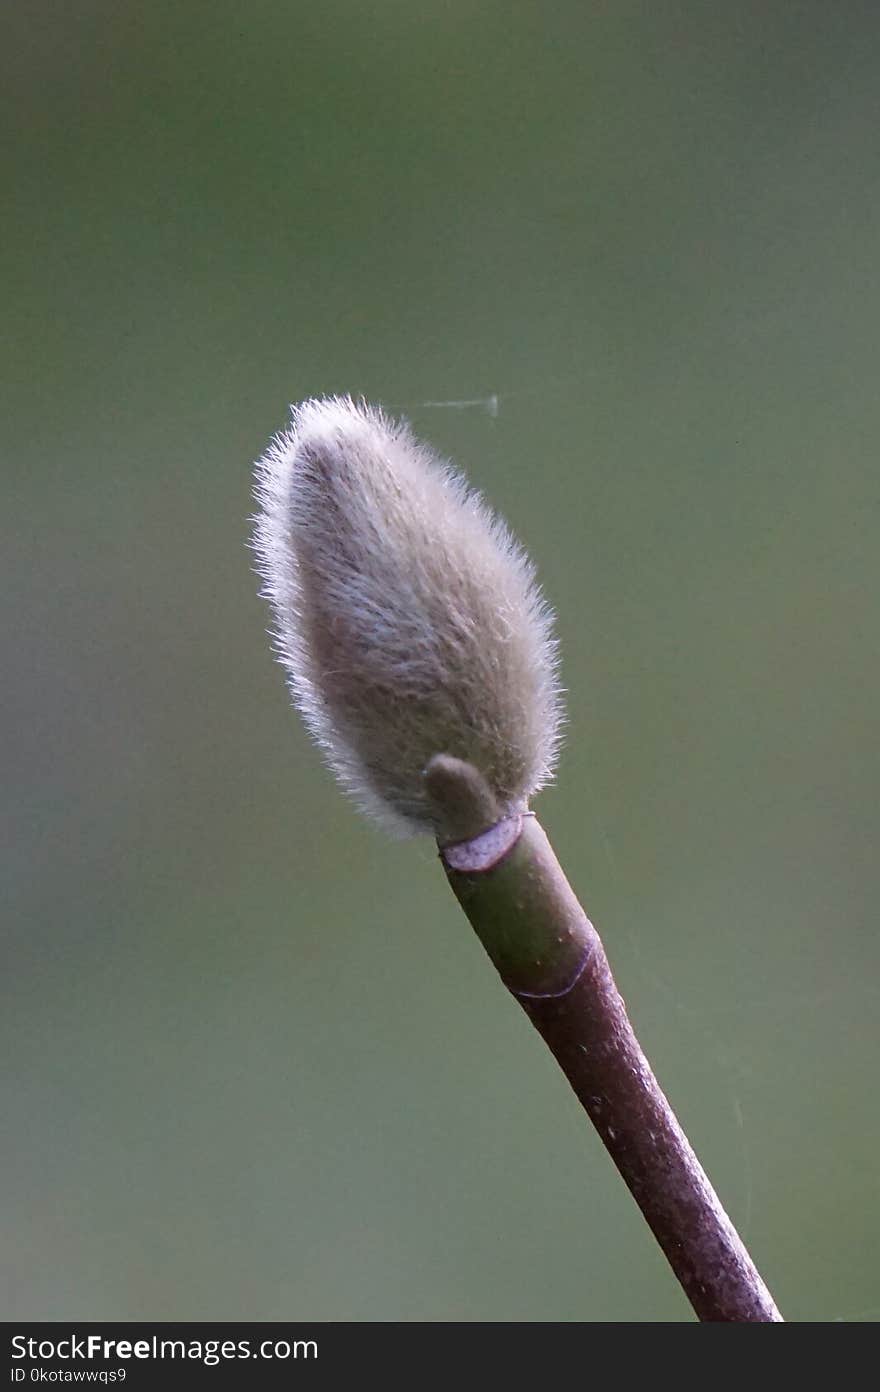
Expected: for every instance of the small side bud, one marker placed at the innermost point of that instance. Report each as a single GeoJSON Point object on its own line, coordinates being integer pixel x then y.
{"type": "Point", "coordinates": [406, 616]}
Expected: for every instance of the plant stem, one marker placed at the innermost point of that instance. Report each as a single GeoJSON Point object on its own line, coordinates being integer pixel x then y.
{"type": "Point", "coordinates": [549, 955]}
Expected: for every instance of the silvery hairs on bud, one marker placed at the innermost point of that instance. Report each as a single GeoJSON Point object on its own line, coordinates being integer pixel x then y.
{"type": "Point", "coordinates": [407, 617]}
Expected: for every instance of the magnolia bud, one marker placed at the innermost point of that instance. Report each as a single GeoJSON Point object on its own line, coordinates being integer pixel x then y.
{"type": "Point", "coordinates": [406, 616]}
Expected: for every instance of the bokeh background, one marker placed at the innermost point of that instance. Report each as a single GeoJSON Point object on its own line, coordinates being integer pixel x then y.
{"type": "Point", "coordinates": [255, 1064]}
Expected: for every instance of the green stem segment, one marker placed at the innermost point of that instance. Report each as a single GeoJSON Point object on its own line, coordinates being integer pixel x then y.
{"type": "Point", "coordinates": [550, 957]}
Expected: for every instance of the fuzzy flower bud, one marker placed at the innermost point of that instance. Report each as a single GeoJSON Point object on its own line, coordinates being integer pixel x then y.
{"type": "Point", "coordinates": [406, 616]}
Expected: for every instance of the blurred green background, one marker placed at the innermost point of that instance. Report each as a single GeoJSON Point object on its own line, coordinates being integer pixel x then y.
{"type": "Point", "coordinates": [255, 1064]}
